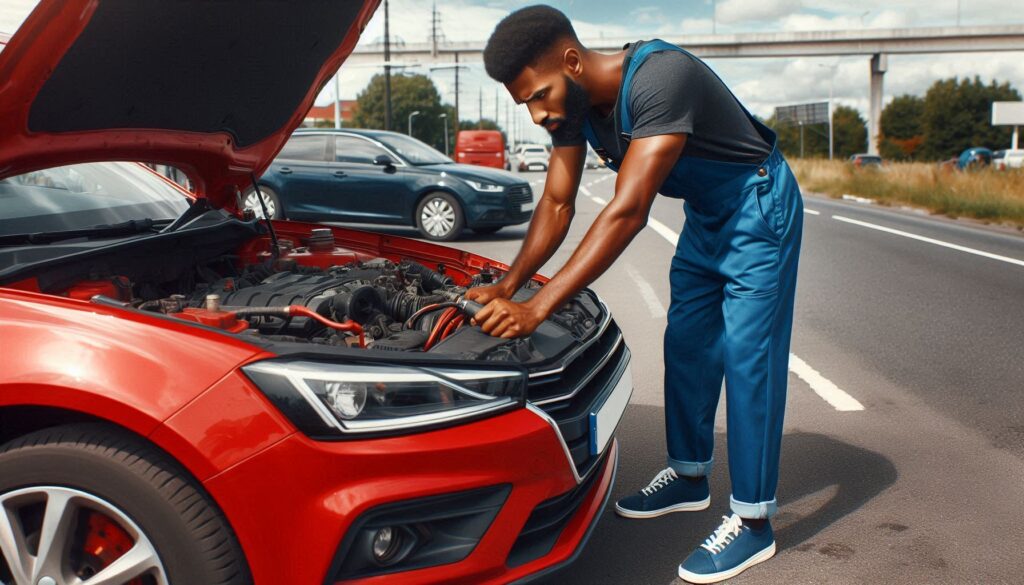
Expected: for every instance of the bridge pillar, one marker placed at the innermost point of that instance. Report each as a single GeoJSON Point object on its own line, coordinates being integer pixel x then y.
{"type": "Point", "coordinates": [879, 63]}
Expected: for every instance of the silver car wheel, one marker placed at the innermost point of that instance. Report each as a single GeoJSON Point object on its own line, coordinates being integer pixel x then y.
{"type": "Point", "coordinates": [63, 510]}
{"type": "Point", "coordinates": [438, 217]}
{"type": "Point", "coordinates": [252, 202]}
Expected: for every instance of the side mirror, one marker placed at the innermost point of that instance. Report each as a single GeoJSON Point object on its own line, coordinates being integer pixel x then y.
{"type": "Point", "coordinates": [384, 160]}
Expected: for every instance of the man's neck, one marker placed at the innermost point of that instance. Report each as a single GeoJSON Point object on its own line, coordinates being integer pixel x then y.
{"type": "Point", "coordinates": [602, 78]}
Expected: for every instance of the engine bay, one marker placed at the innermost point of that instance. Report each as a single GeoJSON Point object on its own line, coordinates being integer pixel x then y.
{"type": "Point", "coordinates": [323, 296]}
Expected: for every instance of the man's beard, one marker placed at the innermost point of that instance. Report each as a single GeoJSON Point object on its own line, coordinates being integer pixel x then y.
{"type": "Point", "coordinates": [577, 103]}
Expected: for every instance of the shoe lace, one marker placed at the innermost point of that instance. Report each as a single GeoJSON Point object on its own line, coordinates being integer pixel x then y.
{"type": "Point", "coordinates": [724, 534]}
{"type": "Point", "coordinates": [665, 477]}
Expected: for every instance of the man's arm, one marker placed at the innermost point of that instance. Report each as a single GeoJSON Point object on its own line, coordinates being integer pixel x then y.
{"type": "Point", "coordinates": [550, 223]}
{"type": "Point", "coordinates": [646, 166]}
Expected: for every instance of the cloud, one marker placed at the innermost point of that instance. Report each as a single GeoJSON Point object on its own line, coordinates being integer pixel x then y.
{"type": "Point", "coordinates": [733, 11]}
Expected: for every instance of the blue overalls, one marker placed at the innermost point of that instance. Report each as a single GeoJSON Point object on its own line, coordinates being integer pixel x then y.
{"type": "Point", "coordinates": [733, 280]}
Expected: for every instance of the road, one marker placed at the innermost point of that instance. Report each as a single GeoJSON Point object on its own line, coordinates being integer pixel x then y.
{"type": "Point", "coordinates": [903, 454]}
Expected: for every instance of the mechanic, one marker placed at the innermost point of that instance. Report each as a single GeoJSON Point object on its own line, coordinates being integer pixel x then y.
{"type": "Point", "coordinates": [667, 124]}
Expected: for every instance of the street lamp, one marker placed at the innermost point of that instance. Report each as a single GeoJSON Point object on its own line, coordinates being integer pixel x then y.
{"type": "Point", "coordinates": [831, 91]}
{"type": "Point", "coordinates": [444, 117]}
{"type": "Point", "coordinates": [411, 116]}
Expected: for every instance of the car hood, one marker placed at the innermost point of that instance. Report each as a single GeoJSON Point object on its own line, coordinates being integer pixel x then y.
{"type": "Point", "coordinates": [476, 173]}
{"type": "Point", "coordinates": [213, 88]}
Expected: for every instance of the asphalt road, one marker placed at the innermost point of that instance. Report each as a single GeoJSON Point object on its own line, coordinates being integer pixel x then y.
{"type": "Point", "coordinates": [925, 483]}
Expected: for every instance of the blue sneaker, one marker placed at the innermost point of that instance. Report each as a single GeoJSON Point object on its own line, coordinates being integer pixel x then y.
{"type": "Point", "coordinates": [666, 493]}
{"type": "Point", "coordinates": [732, 549]}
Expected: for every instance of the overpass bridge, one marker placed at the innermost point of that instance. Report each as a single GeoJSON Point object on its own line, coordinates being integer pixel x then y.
{"type": "Point", "coordinates": [874, 43]}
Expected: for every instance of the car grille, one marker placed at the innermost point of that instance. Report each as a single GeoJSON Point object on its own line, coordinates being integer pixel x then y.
{"type": "Point", "coordinates": [546, 523]}
{"type": "Point", "coordinates": [517, 196]}
{"type": "Point", "coordinates": [569, 395]}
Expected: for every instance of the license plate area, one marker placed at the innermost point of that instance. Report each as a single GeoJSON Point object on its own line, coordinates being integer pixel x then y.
{"type": "Point", "coordinates": [605, 418]}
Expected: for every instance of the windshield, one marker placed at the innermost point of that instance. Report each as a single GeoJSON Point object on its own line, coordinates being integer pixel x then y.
{"type": "Point", "coordinates": [84, 196]}
{"type": "Point", "coordinates": [412, 150]}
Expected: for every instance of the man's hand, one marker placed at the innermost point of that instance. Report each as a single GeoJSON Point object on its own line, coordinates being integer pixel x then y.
{"type": "Point", "coordinates": [506, 319]}
{"type": "Point", "coordinates": [486, 294]}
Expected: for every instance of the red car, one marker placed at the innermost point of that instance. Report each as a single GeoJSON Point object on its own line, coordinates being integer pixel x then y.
{"type": "Point", "coordinates": [192, 395]}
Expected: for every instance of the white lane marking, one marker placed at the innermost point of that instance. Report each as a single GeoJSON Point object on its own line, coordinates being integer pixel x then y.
{"type": "Point", "coordinates": [812, 212]}
{"type": "Point", "coordinates": [930, 240]}
{"type": "Point", "coordinates": [534, 182]}
{"type": "Point", "coordinates": [585, 191]}
{"type": "Point", "coordinates": [822, 386]}
{"type": "Point", "coordinates": [858, 199]}
{"type": "Point", "coordinates": [663, 230]}
{"type": "Point", "coordinates": [647, 293]}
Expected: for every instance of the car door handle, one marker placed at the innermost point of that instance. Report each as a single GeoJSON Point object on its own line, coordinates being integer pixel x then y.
{"type": "Point", "coordinates": [285, 170]}
{"type": "Point", "coordinates": [340, 174]}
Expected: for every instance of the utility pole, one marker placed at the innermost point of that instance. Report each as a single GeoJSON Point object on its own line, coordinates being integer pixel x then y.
{"type": "Point", "coordinates": [387, 69]}
{"type": "Point", "coordinates": [456, 67]}
{"type": "Point", "coordinates": [480, 122]}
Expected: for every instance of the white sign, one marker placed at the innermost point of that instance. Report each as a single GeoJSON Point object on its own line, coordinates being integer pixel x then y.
{"type": "Point", "coordinates": [1008, 113]}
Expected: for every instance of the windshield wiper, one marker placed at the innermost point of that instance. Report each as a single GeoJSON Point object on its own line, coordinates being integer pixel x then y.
{"type": "Point", "coordinates": [134, 226]}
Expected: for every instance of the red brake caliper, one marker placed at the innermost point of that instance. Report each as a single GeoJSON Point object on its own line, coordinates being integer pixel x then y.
{"type": "Point", "coordinates": [105, 542]}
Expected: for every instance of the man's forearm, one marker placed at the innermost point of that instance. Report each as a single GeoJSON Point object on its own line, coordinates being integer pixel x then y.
{"type": "Point", "coordinates": [606, 239]}
{"type": "Point", "coordinates": [551, 221]}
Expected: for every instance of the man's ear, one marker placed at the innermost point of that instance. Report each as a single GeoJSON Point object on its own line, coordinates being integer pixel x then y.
{"type": "Point", "coordinates": [572, 61]}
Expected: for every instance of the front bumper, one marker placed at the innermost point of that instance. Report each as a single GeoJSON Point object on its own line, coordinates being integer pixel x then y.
{"type": "Point", "coordinates": [293, 504]}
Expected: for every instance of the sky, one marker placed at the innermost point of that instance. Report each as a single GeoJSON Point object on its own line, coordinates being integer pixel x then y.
{"type": "Point", "coordinates": [762, 84]}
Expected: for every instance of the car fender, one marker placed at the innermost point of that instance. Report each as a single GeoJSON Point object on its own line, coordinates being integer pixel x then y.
{"type": "Point", "coordinates": [113, 364]}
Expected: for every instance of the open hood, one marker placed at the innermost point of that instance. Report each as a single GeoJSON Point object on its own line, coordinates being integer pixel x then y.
{"type": "Point", "coordinates": [213, 88]}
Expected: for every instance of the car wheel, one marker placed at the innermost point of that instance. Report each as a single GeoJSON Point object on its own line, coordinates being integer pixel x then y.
{"type": "Point", "coordinates": [270, 199]}
{"type": "Point", "coordinates": [439, 217]}
{"type": "Point", "coordinates": [487, 230]}
{"type": "Point", "coordinates": [91, 503]}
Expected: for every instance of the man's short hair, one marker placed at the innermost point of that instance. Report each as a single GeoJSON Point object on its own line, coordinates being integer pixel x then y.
{"type": "Point", "coordinates": [522, 38]}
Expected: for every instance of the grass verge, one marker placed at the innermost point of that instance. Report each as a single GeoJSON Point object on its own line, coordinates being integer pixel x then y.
{"type": "Point", "coordinates": [987, 195]}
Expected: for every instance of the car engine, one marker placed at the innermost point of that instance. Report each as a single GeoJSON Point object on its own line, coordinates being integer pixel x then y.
{"type": "Point", "coordinates": [398, 306]}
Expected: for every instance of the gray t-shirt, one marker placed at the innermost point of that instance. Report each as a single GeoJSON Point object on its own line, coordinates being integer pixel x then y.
{"type": "Point", "coordinates": [674, 92]}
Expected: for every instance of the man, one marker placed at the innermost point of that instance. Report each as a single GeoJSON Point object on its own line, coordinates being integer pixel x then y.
{"type": "Point", "coordinates": [667, 124]}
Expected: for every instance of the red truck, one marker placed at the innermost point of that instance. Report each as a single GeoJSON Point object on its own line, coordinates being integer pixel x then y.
{"type": "Point", "coordinates": [485, 148]}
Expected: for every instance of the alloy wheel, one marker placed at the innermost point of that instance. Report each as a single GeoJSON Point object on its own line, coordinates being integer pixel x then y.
{"type": "Point", "coordinates": [60, 536]}
{"type": "Point", "coordinates": [252, 202]}
{"type": "Point", "coordinates": [438, 217]}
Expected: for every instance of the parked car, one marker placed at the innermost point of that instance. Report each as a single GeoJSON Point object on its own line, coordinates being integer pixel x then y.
{"type": "Point", "coordinates": [865, 160]}
{"type": "Point", "coordinates": [373, 176]}
{"type": "Point", "coordinates": [533, 158]}
{"type": "Point", "coordinates": [485, 148]}
{"type": "Point", "coordinates": [974, 158]}
{"type": "Point", "coordinates": [1008, 159]}
{"type": "Point", "coordinates": [191, 394]}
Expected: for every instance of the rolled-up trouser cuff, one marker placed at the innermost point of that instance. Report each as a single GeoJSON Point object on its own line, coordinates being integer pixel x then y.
{"type": "Point", "coordinates": [691, 468]}
{"type": "Point", "coordinates": [753, 511]}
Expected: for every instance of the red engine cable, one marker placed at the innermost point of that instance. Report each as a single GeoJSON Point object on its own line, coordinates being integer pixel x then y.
{"type": "Point", "coordinates": [299, 310]}
{"type": "Point", "coordinates": [436, 331]}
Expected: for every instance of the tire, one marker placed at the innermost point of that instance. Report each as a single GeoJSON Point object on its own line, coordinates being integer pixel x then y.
{"type": "Point", "coordinates": [439, 217]}
{"type": "Point", "coordinates": [270, 197]}
{"type": "Point", "coordinates": [123, 493]}
{"type": "Point", "coordinates": [487, 230]}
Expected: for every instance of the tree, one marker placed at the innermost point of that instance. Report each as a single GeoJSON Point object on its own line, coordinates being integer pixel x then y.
{"type": "Point", "coordinates": [901, 128]}
{"type": "Point", "coordinates": [849, 135]}
{"type": "Point", "coordinates": [957, 115]}
{"type": "Point", "coordinates": [409, 93]}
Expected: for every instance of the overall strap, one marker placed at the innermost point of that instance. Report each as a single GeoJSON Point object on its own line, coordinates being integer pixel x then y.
{"type": "Point", "coordinates": [626, 121]}
{"type": "Point", "coordinates": [641, 54]}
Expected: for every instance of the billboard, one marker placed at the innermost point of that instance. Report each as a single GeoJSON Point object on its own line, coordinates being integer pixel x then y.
{"type": "Point", "coordinates": [812, 113]}
{"type": "Point", "coordinates": [1008, 113]}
